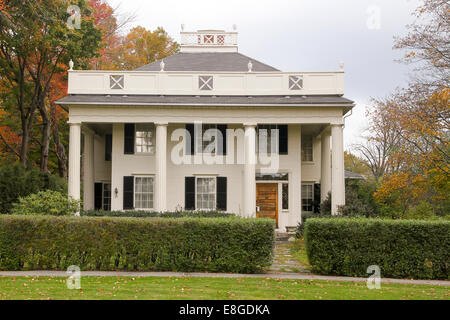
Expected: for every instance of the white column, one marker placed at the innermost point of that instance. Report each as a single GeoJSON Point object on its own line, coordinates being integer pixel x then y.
{"type": "Point", "coordinates": [325, 183]}
{"type": "Point", "coordinates": [337, 170]}
{"type": "Point", "coordinates": [74, 160]}
{"type": "Point", "coordinates": [88, 171]}
{"type": "Point", "coordinates": [250, 170]}
{"type": "Point", "coordinates": [161, 167]}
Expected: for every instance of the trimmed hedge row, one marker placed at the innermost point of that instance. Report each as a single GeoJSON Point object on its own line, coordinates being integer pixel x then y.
{"type": "Point", "coordinates": [130, 244]}
{"type": "Point", "coordinates": [401, 248]}
{"type": "Point", "coordinates": [150, 214]}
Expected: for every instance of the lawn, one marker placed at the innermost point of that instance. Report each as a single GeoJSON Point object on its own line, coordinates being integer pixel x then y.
{"type": "Point", "coordinates": [108, 288]}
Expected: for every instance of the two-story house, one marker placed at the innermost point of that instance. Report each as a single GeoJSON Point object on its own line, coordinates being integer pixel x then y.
{"type": "Point", "coordinates": [208, 129]}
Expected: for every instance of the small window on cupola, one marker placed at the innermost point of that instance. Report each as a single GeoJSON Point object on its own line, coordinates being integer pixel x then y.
{"type": "Point", "coordinates": [208, 39]}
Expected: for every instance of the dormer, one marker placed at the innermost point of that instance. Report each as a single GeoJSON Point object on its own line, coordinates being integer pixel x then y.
{"type": "Point", "coordinates": [209, 41]}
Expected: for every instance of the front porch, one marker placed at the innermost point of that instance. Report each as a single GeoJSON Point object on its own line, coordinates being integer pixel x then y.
{"type": "Point", "coordinates": [145, 176]}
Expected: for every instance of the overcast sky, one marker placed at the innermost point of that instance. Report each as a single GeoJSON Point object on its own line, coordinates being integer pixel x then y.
{"type": "Point", "coordinates": [302, 35]}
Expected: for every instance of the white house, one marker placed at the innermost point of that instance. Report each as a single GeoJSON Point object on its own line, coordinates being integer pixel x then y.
{"type": "Point", "coordinates": [208, 128]}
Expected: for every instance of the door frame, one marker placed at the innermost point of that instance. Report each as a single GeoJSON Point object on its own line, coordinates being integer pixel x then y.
{"type": "Point", "coordinates": [275, 183]}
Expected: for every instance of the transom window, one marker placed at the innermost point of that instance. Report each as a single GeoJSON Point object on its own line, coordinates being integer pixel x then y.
{"type": "Point", "coordinates": [307, 148]}
{"type": "Point", "coordinates": [307, 197]}
{"type": "Point", "coordinates": [116, 82]}
{"type": "Point", "coordinates": [207, 140]}
{"type": "Point", "coordinates": [268, 139]}
{"type": "Point", "coordinates": [206, 193]}
{"type": "Point", "coordinates": [295, 82]}
{"type": "Point", "coordinates": [205, 83]}
{"type": "Point", "coordinates": [145, 138]}
{"type": "Point", "coordinates": [143, 193]}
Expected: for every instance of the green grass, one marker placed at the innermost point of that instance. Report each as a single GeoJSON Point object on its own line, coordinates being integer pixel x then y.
{"type": "Point", "coordinates": [107, 288]}
{"type": "Point", "coordinates": [298, 251]}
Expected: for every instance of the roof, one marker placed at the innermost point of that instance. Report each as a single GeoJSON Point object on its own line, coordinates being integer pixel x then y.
{"type": "Point", "coordinates": [174, 100]}
{"type": "Point", "coordinates": [354, 176]}
{"type": "Point", "coordinates": [209, 62]}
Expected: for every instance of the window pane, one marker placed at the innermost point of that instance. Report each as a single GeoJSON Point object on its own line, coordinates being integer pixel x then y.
{"type": "Point", "coordinates": [206, 193]}
{"type": "Point", "coordinates": [285, 195]}
{"type": "Point", "coordinates": [143, 193]}
{"type": "Point", "coordinates": [307, 197]}
{"type": "Point", "coordinates": [307, 148]}
{"type": "Point", "coordinates": [145, 138]}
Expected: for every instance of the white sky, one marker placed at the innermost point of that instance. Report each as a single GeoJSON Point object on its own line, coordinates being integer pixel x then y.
{"type": "Point", "coordinates": [301, 35]}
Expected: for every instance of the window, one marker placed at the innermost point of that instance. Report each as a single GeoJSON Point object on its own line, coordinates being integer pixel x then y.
{"type": "Point", "coordinates": [285, 196]}
{"type": "Point", "coordinates": [205, 83]}
{"type": "Point", "coordinates": [107, 197]}
{"type": "Point", "coordinates": [206, 193]}
{"type": "Point", "coordinates": [307, 197]}
{"type": "Point", "coordinates": [207, 140]}
{"type": "Point", "coordinates": [307, 148]}
{"type": "Point", "coordinates": [143, 193]}
{"type": "Point", "coordinates": [108, 147]}
{"type": "Point", "coordinates": [272, 177]}
{"type": "Point", "coordinates": [268, 139]}
{"type": "Point", "coordinates": [145, 138]}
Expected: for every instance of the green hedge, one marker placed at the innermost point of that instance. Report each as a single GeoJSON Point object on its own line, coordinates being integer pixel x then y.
{"type": "Point", "coordinates": [149, 214]}
{"type": "Point", "coordinates": [130, 244]}
{"type": "Point", "coordinates": [401, 248]}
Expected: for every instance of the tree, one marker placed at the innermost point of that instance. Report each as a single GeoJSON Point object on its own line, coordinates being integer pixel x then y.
{"type": "Point", "coordinates": [420, 162]}
{"type": "Point", "coordinates": [140, 47]}
{"type": "Point", "coordinates": [35, 45]}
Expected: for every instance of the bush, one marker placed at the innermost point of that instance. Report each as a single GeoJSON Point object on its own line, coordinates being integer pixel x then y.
{"type": "Point", "coordinates": [401, 248]}
{"type": "Point", "coordinates": [423, 211]}
{"type": "Point", "coordinates": [112, 244]}
{"type": "Point", "coordinates": [46, 203]}
{"type": "Point", "coordinates": [17, 182]}
{"type": "Point", "coordinates": [300, 232]}
{"type": "Point", "coordinates": [149, 214]}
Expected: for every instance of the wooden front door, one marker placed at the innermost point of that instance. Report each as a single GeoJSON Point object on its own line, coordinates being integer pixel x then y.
{"type": "Point", "coordinates": [267, 200]}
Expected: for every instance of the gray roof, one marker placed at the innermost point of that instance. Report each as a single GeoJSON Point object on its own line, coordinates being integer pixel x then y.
{"type": "Point", "coordinates": [174, 100]}
{"type": "Point", "coordinates": [209, 62]}
{"type": "Point", "coordinates": [354, 176]}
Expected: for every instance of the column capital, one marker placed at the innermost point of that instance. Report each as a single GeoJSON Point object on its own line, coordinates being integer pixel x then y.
{"type": "Point", "coordinates": [75, 124]}
{"type": "Point", "coordinates": [337, 125]}
{"type": "Point", "coordinates": [250, 124]}
{"type": "Point", "coordinates": [162, 123]}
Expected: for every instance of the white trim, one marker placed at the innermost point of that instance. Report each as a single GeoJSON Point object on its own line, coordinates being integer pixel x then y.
{"type": "Point", "coordinates": [134, 193]}
{"type": "Point", "coordinates": [215, 195]}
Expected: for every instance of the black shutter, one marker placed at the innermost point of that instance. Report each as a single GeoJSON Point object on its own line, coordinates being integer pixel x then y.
{"type": "Point", "coordinates": [98, 196]}
{"type": "Point", "coordinates": [128, 193]}
{"type": "Point", "coordinates": [129, 138]}
{"type": "Point", "coordinates": [222, 193]}
{"type": "Point", "coordinates": [222, 140]}
{"type": "Point", "coordinates": [189, 193]}
{"type": "Point", "coordinates": [108, 147]}
{"type": "Point", "coordinates": [190, 139]}
{"type": "Point", "coordinates": [316, 198]}
{"type": "Point", "coordinates": [283, 139]}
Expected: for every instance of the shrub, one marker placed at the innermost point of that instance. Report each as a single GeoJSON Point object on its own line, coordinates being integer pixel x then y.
{"type": "Point", "coordinates": [401, 248]}
{"type": "Point", "coordinates": [17, 182]}
{"type": "Point", "coordinates": [112, 244]}
{"type": "Point", "coordinates": [300, 232]}
{"type": "Point", "coordinates": [46, 203]}
{"type": "Point", "coordinates": [423, 211]}
{"type": "Point", "coordinates": [149, 214]}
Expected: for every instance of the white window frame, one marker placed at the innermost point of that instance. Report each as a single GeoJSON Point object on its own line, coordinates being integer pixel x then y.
{"type": "Point", "coordinates": [197, 208]}
{"type": "Point", "coordinates": [153, 192]}
{"type": "Point", "coordinates": [312, 196]}
{"type": "Point", "coordinates": [153, 141]}
{"type": "Point", "coordinates": [103, 195]}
